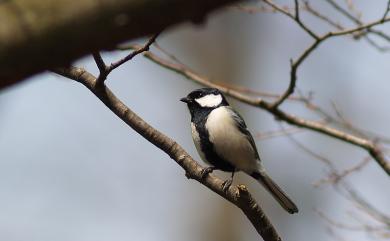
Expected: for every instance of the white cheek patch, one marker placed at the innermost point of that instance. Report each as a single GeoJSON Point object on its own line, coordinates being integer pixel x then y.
{"type": "Point", "coordinates": [209, 100]}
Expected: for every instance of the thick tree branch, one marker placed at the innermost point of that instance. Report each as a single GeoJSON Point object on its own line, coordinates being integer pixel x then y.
{"type": "Point", "coordinates": [319, 127]}
{"type": "Point", "coordinates": [238, 195]}
{"type": "Point", "coordinates": [36, 35]}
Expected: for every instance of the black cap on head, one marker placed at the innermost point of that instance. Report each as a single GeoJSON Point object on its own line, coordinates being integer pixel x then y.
{"type": "Point", "coordinates": [205, 98]}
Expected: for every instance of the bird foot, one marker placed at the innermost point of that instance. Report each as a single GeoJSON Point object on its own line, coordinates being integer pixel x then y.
{"type": "Point", "coordinates": [226, 184]}
{"type": "Point", "coordinates": [206, 171]}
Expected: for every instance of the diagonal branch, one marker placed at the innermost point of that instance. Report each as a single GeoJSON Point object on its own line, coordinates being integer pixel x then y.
{"type": "Point", "coordinates": [370, 146]}
{"type": "Point", "coordinates": [237, 195]}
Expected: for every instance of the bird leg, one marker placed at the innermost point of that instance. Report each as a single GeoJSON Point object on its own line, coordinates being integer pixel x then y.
{"type": "Point", "coordinates": [227, 183]}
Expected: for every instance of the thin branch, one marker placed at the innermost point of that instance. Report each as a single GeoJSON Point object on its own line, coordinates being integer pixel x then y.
{"type": "Point", "coordinates": [324, 18]}
{"type": "Point", "coordinates": [342, 122]}
{"type": "Point", "coordinates": [134, 53]}
{"type": "Point", "coordinates": [351, 7]}
{"type": "Point", "coordinates": [338, 224]}
{"type": "Point", "coordinates": [307, 7]}
{"type": "Point", "coordinates": [256, 92]}
{"type": "Point", "coordinates": [359, 22]}
{"type": "Point", "coordinates": [106, 70]}
{"type": "Point", "coordinates": [295, 64]}
{"type": "Point", "coordinates": [334, 177]}
{"type": "Point", "coordinates": [278, 133]}
{"type": "Point", "coordinates": [387, 10]}
{"type": "Point", "coordinates": [344, 12]}
{"type": "Point", "coordinates": [319, 127]}
{"type": "Point", "coordinates": [293, 79]}
{"type": "Point", "coordinates": [237, 195]}
{"type": "Point", "coordinates": [369, 210]}
{"type": "Point", "coordinates": [295, 17]}
{"type": "Point", "coordinates": [103, 68]}
{"type": "Point", "coordinates": [367, 207]}
{"type": "Point", "coordinates": [296, 8]}
{"type": "Point", "coordinates": [359, 28]}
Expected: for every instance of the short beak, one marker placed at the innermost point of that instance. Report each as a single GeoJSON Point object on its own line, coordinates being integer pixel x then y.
{"type": "Point", "coordinates": [185, 100]}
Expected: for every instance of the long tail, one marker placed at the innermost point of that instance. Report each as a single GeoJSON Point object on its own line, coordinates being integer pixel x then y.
{"type": "Point", "coordinates": [275, 191]}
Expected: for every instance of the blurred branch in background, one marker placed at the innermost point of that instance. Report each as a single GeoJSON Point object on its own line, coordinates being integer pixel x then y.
{"type": "Point", "coordinates": [337, 180]}
{"type": "Point", "coordinates": [369, 219]}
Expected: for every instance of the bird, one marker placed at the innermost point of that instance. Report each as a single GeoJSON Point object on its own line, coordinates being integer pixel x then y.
{"type": "Point", "coordinates": [224, 142]}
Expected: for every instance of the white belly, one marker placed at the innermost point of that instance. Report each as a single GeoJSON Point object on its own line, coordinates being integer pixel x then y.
{"type": "Point", "coordinates": [229, 142]}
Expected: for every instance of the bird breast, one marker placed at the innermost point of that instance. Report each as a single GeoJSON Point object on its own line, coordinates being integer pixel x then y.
{"type": "Point", "coordinates": [229, 142]}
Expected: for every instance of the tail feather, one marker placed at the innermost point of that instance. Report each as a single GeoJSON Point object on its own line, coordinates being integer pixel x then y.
{"type": "Point", "coordinates": [275, 191]}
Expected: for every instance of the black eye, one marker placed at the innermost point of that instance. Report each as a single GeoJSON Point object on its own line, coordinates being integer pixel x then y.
{"type": "Point", "coordinates": [198, 94]}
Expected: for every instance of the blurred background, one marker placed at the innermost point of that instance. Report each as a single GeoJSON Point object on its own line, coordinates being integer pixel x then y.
{"type": "Point", "coordinates": [71, 170]}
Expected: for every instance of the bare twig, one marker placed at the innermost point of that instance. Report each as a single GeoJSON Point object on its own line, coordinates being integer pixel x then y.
{"type": "Point", "coordinates": [99, 62]}
{"type": "Point", "coordinates": [338, 224]}
{"type": "Point", "coordinates": [278, 133]}
{"type": "Point", "coordinates": [341, 121]}
{"type": "Point", "coordinates": [295, 64]}
{"type": "Point", "coordinates": [381, 230]}
{"type": "Point", "coordinates": [319, 127]}
{"type": "Point", "coordinates": [237, 195]}
{"type": "Point", "coordinates": [319, 15]}
{"type": "Point", "coordinates": [106, 70]}
{"type": "Point", "coordinates": [334, 177]}
{"type": "Point", "coordinates": [293, 80]}
{"type": "Point", "coordinates": [256, 92]}
{"type": "Point", "coordinates": [344, 12]}
{"type": "Point", "coordinates": [308, 7]}
{"type": "Point", "coordinates": [134, 53]}
{"type": "Point", "coordinates": [367, 207]}
{"type": "Point", "coordinates": [295, 17]}
{"type": "Point", "coordinates": [351, 7]}
{"type": "Point", "coordinates": [103, 68]}
{"type": "Point", "coordinates": [359, 22]}
{"type": "Point", "coordinates": [387, 10]}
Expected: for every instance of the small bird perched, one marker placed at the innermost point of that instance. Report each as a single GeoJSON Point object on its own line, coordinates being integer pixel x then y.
{"type": "Point", "coordinates": [222, 140]}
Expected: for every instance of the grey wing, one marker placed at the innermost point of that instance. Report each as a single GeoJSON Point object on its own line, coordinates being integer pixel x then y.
{"type": "Point", "coordinates": [244, 129]}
